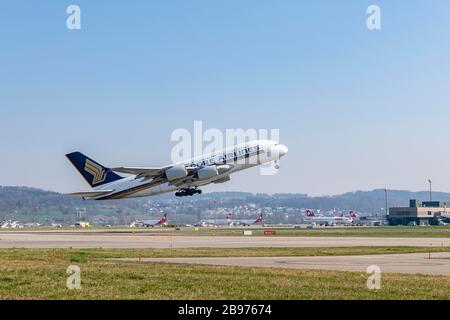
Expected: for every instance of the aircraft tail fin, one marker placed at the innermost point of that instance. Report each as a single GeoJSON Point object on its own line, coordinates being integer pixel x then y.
{"type": "Point", "coordinates": [259, 218]}
{"type": "Point", "coordinates": [309, 213]}
{"type": "Point", "coordinates": [163, 219]}
{"type": "Point", "coordinates": [94, 173]}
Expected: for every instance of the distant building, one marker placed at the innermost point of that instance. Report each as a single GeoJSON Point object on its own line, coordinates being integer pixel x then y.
{"type": "Point", "coordinates": [420, 213]}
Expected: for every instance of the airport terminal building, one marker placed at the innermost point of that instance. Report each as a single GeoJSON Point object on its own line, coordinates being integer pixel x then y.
{"type": "Point", "coordinates": [420, 213]}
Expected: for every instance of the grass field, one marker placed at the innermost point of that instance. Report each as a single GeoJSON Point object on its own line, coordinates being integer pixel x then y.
{"type": "Point", "coordinates": [41, 274]}
{"type": "Point", "coordinates": [432, 231]}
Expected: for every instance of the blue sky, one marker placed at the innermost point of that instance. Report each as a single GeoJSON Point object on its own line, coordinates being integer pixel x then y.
{"type": "Point", "coordinates": [358, 109]}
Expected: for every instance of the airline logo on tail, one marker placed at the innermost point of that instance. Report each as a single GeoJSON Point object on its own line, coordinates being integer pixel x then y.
{"type": "Point", "coordinates": [259, 219]}
{"type": "Point", "coordinates": [163, 219]}
{"type": "Point", "coordinates": [309, 213]}
{"type": "Point", "coordinates": [352, 214]}
{"type": "Point", "coordinates": [97, 172]}
{"type": "Point", "coordinates": [229, 217]}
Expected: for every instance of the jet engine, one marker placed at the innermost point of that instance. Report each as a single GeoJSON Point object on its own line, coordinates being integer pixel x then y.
{"type": "Point", "coordinates": [224, 168]}
{"type": "Point", "coordinates": [176, 172]}
{"type": "Point", "coordinates": [208, 172]}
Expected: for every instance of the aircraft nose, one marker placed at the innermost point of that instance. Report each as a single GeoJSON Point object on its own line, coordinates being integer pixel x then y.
{"type": "Point", "coordinates": [282, 150]}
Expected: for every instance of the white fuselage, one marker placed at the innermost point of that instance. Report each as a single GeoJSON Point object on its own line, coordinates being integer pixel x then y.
{"type": "Point", "coordinates": [246, 222]}
{"type": "Point", "coordinates": [215, 222]}
{"type": "Point", "coordinates": [329, 220]}
{"type": "Point", "coordinates": [239, 157]}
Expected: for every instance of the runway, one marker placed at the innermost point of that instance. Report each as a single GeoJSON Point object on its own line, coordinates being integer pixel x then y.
{"type": "Point", "coordinates": [413, 263]}
{"type": "Point", "coordinates": [102, 239]}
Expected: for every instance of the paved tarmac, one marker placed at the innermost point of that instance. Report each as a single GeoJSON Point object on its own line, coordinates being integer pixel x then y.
{"type": "Point", "coordinates": [93, 239]}
{"type": "Point", "coordinates": [411, 263]}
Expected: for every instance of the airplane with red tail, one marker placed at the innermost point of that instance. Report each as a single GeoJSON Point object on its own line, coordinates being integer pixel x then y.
{"type": "Point", "coordinates": [249, 222]}
{"type": "Point", "coordinates": [156, 222]}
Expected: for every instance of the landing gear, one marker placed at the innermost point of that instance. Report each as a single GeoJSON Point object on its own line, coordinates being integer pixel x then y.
{"type": "Point", "coordinates": [277, 164]}
{"type": "Point", "coordinates": [187, 192]}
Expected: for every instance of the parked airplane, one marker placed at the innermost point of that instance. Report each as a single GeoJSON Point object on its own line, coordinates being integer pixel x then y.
{"type": "Point", "coordinates": [157, 222]}
{"type": "Point", "coordinates": [184, 177]}
{"type": "Point", "coordinates": [10, 224]}
{"type": "Point", "coordinates": [249, 222]}
{"type": "Point", "coordinates": [216, 222]}
{"type": "Point", "coordinates": [329, 220]}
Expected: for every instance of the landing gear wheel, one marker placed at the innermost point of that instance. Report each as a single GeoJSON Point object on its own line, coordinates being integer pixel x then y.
{"type": "Point", "coordinates": [277, 164]}
{"type": "Point", "coordinates": [187, 192]}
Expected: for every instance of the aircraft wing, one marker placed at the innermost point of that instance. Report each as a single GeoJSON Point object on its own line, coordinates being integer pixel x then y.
{"type": "Point", "coordinates": [149, 172]}
{"type": "Point", "coordinates": [140, 171]}
{"type": "Point", "coordinates": [90, 193]}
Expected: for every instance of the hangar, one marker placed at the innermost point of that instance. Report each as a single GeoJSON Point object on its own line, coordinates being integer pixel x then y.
{"type": "Point", "coordinates": [420, 213]}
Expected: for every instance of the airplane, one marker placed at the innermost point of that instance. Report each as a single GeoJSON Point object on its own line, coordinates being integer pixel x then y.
{"type": "Point", "coordinates": [249, 222]}
{"type": "Point", "coordinates": [330, 220]}
{"type": "Point", "coordinates": [10, 224]}
{"type": "Point", "coordinates": [217, 222]}
{"type": "Point", "coordinates": [157, 222]}
{"type": "Point", "coordinates": [184, 177]}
